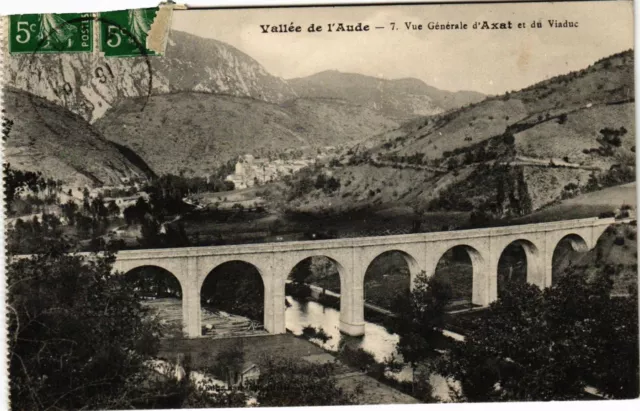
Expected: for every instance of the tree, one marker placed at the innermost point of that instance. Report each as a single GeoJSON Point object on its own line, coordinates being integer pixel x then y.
{"type": "Point", "coordinates": [548, 345]}
{"type": "Point", "coordinates": [113, 209]}
{"type": "Point", "coordinates": [508, 139]}
{"type": "Point", "coordinates": [176, 235]}
{"type": "Point", "coordinates": [612, 136]}
{"type": "Point", "coordinates": [83, 223]}
{"type": "Point", "coordinates": [69, 210]}
{"type": "Point", "coordinates": [331, 185]}
{"type": "Point", "coordinates": [26, 236]}
{"type": "Point", "coordinates": [500, 196]}
{"type": "Point", "coordinates": [321, 180]}
{"type": "Point", "coordinates": [229, 364]}
{"type": "Point", "coordinates": [480, 218]}
{"type": "Point", "coordinates": [562, 118]}
{"type": "Point", "coordinates": [78, 338]}
{"type": "Point", "coordinates": [153, 281]}
{"type": "Point", "coordinates": [301, 271]}
{"type": "Point", "coordinates": [288, 383]}
{"type": "Point", "coordinates": [419, 318]}
{"type": "Point", "coordinates": [17, 181]}
{"type": "Point", "coordinates": [150, 230]}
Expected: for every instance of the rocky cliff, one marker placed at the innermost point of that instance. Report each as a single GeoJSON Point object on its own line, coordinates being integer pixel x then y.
{"type": "Point", "coordinates": [89, 85]}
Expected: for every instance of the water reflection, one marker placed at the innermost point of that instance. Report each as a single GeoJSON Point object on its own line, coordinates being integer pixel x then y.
{"type": "Point", "coordinates": [376, 339]}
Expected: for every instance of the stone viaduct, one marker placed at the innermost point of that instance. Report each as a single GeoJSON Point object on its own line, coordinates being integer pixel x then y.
{"type": "Point", "coordinates": [352, 256]}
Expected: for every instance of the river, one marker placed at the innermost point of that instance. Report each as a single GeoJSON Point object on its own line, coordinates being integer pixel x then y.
{"type": "Point", "coordinates": [377, 340]}
{"type": "Point", "coordinates": [299, 314]}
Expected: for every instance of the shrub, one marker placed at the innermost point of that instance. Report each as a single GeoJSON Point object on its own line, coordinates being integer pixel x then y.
{"type": "Point", "coordinates": [329, 301]}
{"type": "Point", "coordinates": [509, 138]}
{"type": "Point", "coordinates": [571, 187]}
{"type": "Point", "coordinates": [288, 382]}
{"type": "Point", "coordinates": [562, 119]}
{"type": "Point", "coordinates": [310, 332]}
{"type": "Point", "coordinates": [623, 214]}
{"type": "Point", "coordinates": [631, 235]}
{"type": "Point", "coordinates": [619, 240]}
{"type": "Point", "coordinates": [357, 357]}
{"type": "Point", "coordinates": [298, 290]}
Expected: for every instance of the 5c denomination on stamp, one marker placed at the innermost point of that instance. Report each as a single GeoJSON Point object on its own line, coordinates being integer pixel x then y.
{"type": "Point", "coordinates": [51, 33]}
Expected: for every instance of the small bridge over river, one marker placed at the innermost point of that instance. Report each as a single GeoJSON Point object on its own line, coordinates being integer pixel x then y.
{"type": "Point", "coordinates": [352, 257]}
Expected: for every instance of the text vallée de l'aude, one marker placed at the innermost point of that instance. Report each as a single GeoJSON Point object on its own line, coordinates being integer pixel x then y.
{"type": "Point", "coordinates": [314, 28]}
{"type": "Point", "coordinates": [409, 25]}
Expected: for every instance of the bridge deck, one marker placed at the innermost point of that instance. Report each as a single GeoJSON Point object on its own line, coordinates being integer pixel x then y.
{"type": "Point", "coordinates": [367, 241]}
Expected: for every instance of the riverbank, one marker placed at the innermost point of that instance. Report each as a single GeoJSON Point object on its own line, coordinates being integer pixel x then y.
{"type": "Point", "coordinates": [202, 352]}
{"type": "Point", "coordinates": [215, 323]}
{"type": "Point", "coordinates": [459, 317]}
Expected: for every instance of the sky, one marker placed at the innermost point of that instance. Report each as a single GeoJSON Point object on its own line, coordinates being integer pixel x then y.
{"type": "Point", "coordinates": [488, 61]}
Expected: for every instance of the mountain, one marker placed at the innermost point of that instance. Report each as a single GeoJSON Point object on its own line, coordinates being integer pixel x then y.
{"type": "Point", "coordinates": [191, 63]}
{"type": "Point", "coordinates": [555, 139]}
{"type": "Point", "coordinates": [195, 132]}
{"type": "Point", "coordinates": [48, 138]}
{"type": "Point", "coordinates": [208, 103]}
{"type": "Point", "coordinates": [400, 99]}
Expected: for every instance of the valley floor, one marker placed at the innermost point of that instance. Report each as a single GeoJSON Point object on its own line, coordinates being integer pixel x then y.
{"type": "Point", "coordinates": [203, 352]}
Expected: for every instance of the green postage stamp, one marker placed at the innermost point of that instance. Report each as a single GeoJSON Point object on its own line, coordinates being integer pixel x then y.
{"type": "Point", "coordinates": [320, 205]}
{"type": "Point", "coordinates": [51, 33]}
{"type": "Point", "coordinates": [122, 33]}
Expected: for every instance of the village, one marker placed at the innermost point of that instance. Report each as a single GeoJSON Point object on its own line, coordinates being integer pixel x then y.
{"type": "Point", "coordinates": [251, 171]}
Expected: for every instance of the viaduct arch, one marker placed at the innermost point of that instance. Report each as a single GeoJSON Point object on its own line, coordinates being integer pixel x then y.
{"type": "Point", "coordinates": [352, 257]}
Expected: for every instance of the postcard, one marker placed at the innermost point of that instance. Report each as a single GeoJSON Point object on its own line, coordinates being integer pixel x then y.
{"type": "Point", "coordinates": [320, 205]}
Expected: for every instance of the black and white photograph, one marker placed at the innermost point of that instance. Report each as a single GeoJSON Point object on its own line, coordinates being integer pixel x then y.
{"type": "Point", "coordinates": [320, 205]}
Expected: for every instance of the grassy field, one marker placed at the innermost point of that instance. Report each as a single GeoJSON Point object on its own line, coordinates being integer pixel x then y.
{"type": "Point", "coordinates": [202, 352]}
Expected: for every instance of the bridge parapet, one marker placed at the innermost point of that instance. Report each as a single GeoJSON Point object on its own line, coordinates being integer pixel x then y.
{"type": "Point", "coordinates": [422, 252]}
{"type": "Point", "coordinates": [366, 241]}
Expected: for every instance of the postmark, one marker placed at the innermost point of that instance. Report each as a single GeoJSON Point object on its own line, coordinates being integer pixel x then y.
{"type": "Point", "coordinates": [85, 95]}
{"type": "Point", "coordinates": [117, 42]}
